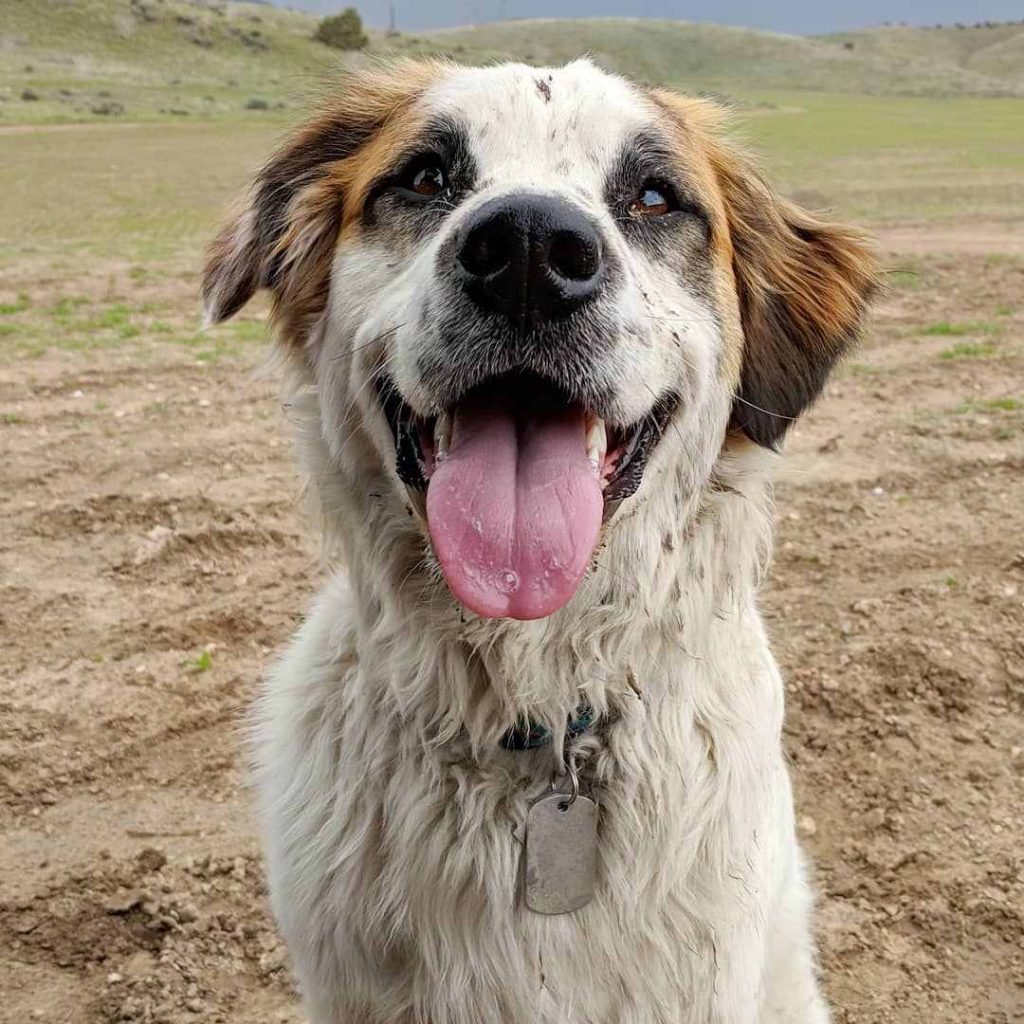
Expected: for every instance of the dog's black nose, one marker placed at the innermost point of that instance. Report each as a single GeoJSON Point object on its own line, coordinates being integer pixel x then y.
{"type": "Point", "coordinates": [533, 258]}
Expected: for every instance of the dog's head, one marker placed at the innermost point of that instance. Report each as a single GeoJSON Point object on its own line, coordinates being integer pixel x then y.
{"type": "Point", "coordinates": [529, 291]}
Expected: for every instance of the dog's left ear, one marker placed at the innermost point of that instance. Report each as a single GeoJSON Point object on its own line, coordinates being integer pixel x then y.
{"type": "Point", "coordinates": [283, 232]}
{"type": "Point", "coordinates": [803, 286]}
{"type": "Point", "coordinates": [287, 218]}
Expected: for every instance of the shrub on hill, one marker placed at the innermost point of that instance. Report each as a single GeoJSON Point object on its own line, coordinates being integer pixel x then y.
{"type": "Point", "coordinates": [343, 31]}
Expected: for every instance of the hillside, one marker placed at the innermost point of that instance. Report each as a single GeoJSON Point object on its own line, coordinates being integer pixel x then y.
{"type": "Point", "coordinates": [152, 59]}
{"type": "Point", "coordinates": [719, 57]}
{"type": "Point", "coordinates": [992, 49]}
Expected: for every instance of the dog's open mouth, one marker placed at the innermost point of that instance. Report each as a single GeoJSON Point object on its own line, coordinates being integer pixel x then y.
{"type": "Point", "coordinates": [517, 478]}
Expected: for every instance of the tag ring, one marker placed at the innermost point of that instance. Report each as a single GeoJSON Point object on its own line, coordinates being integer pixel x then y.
{"type": "Point", "coordinates": [574, 781]}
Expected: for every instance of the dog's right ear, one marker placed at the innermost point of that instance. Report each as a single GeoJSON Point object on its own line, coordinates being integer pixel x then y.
{"type": "Point", "coordinates": [282, 234]}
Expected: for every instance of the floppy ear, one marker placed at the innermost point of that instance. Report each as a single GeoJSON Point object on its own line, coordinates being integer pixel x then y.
{"type": "Point", "coordinates": [803, 286]}
{"type": "Point", "coordinates": [251, 251]}
{"type": "Point", "coordinates": [283, 232]}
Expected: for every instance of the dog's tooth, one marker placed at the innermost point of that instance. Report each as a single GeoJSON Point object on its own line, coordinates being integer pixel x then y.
{"type": "Point", "coordinates": [597, 443]}
{"type": "Point", "coordinates": [442, 435]}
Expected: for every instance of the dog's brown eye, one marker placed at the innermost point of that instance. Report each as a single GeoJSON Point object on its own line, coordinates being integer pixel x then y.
{"type": "Point", "coordinates": [651, 201]}
{"type": "Point", "coordinates": [429, 180]}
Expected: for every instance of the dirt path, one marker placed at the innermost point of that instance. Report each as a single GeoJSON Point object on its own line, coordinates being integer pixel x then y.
{"type": "Point", "coordinates": [152, 557]}
{"type": "Point", "coordinates": [982, 239]}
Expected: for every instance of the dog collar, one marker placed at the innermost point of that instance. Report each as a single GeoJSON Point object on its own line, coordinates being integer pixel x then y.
{"type": "Point", "coordinates": [533, 735]}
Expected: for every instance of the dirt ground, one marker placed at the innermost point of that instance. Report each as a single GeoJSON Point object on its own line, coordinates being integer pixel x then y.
{"type": "Point", "coordinates": [153, 555]}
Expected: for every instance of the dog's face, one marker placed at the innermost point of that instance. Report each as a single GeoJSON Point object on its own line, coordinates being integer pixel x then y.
{"type": "Point", "coordinates": [527, 285]}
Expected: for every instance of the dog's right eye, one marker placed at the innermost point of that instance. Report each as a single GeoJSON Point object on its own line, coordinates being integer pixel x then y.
{"type": "Point", "coordinates": [425, 178]}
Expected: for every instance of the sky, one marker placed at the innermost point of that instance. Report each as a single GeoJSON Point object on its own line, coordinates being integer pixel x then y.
{"type": "Point", "coordinates": [794, 16]}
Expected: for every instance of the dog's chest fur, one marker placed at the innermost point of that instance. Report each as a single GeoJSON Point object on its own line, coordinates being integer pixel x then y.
{"type": "Point", "coordinates": [393, 859]}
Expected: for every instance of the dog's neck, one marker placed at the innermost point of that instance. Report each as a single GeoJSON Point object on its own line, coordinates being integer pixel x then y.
{"type": "Point", "coordinates": [680, 561]}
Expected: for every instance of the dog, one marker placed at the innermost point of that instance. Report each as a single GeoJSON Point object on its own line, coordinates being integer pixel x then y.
{"type": "Point", "coordinates": [544, 330]}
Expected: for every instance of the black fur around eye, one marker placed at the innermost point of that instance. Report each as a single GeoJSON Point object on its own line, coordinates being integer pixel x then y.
{"type": "Point", "coordinates": [654, 199]}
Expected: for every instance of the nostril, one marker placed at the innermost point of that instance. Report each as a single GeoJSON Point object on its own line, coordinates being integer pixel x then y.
{"type": "Point", "coordinates": [574, 256]}
{"type": "Point", "coordinates": [488, 249]}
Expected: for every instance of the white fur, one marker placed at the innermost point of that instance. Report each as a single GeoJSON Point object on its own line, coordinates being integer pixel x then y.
{"type": "Point", "coordinates": [390, 804]}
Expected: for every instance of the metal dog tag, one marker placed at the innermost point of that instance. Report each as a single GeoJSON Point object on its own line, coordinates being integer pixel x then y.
{"type": "Point", "coordinates": [561, 853]}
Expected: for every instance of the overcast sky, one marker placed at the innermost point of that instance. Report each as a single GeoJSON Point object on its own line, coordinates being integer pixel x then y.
{"type": "Point", "coordinates": [799, 16]}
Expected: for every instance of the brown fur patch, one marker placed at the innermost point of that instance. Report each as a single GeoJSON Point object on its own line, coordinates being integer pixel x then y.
{"type": "Point", "coordinates": [801, 284]}
{"type": "Point", "coordinates": [284, 234]}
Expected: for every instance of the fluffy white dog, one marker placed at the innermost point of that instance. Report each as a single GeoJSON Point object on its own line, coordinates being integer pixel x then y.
{"type": "Point", "coordinates": [523, 762]}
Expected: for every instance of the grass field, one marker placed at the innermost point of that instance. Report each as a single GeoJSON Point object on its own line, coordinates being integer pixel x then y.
{"type": "Point", "coordinates": [153, 554]}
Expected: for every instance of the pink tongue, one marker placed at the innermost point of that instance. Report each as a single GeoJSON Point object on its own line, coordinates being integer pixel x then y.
{"type": "Point", "coordinates": [514, 510]}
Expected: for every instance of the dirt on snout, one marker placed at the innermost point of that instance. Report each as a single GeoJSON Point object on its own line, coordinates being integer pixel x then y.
{"type": "Point", "coordinates": [154, 555]}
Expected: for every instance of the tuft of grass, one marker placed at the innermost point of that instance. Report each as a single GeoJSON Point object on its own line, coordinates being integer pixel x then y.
{"type": "Point", "coordinates": [1001, 259]}
{"type": "Point", "coordinates": [63, 308]}
{"type": "Point", "coordinates": [11, 418]}
{"type": "Point", "coordinates": [982, 405]}
{"type": "Point", "coordinates": [202, 663]}
{"type": "Point", "coordinates": [952, 582]}
{"type": "Point", "coordinates": [945, 329]}
{"type": "Point", "coordinates": [10, 308]}
{"type": "Point", "coordinates": [968, 350]}
{"type": "Point", "coordinates": [114, 317]}
{"type": "Point", "coordinates": [904, 279]}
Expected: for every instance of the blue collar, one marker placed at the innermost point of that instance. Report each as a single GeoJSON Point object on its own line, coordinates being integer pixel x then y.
{"type": "Point", "coordinates": [534, 735]}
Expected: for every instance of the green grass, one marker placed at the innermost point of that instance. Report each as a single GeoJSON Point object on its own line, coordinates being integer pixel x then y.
{"type": "Point", "coordinates": [968, 350]}
{"type": "Point", "coordinates": [996, 49]}
{"type": "Point", "coordinates": [945, 329]}
{"type": "Point", "coordinates": [19, 306]}
{"type": "Point", "coordinates": [893, 159]}
{"type": "Point", "coordinates": [151, 193]}
{"type": "Point", "coordinates": [179, 61]}
{"type": "Point", "coordinates": [903, 278]}
{"type": "Point", "coordinates": [202, 663]}
{"type": "Point", "coordinates": [984, 405]}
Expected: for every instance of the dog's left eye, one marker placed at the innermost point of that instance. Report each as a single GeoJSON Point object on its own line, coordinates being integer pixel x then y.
{"type": "Point", "coordinates": [653, 200]}
{"type": "Point", "coordinates": [425, 179]}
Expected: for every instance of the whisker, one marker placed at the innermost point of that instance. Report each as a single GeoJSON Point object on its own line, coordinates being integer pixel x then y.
{"type": "Point", "coordinates": [377, 377]}
{"type": "Point", "coordinates": [767, 412]}
{"type": "Point", "coordinates": [671, 420]}
{"type": "Point", "coordinates": [681, 319]}
{"type": "Point", "coordinates": [624, 579]}
{"type": "Point", "coordinates": [373, 341]}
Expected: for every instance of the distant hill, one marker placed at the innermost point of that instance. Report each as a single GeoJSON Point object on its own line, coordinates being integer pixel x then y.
{"type": "Point", "coordinates": [994, 50]}
{"type": "Point", "coordinates": [84, 59]}
{"type": "Point", "coordinates": [143, 59]}
{"type": "Point", "coordinates": [724, 57]}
